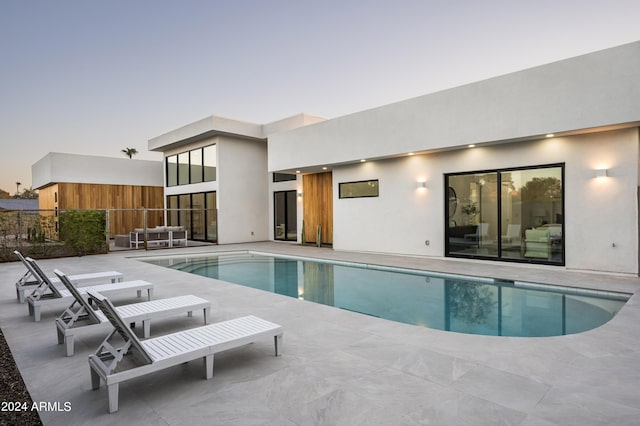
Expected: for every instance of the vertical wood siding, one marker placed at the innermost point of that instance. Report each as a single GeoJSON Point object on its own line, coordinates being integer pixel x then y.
{"type": "Point", "coordinates": [120, 199]}
{"type": "Point", "coordinates": [317, 195]}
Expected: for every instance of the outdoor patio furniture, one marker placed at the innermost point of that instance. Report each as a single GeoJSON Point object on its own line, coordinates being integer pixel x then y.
{"type": "Point", "coordinates": [482, 231]}
{"type": "Point", "coordinates": [537, 243]}
{"type": "Point", "coordinates": [513, 235]}
{"type": "Point", "coordinates": [133, 358]}
{"type": "Point", "coordinates": [48, 294]}
{"type": "Point", "coordinates": [81, 315]}
{"type": "Point", "coordinates": [168, 236]}
{"type": "Point", "coordinates": [30, 280]}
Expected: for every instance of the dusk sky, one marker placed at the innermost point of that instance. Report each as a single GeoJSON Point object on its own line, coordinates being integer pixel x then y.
{"type": "Point", "coordinates": [94, 77]}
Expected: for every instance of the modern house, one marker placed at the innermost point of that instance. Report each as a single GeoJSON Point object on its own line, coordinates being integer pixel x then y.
{"type": "Point", "coordinates": [216, 179]}
{"type": "Point", "coordinates": [539, 166]}
{"type": "Point", "coordinates": [75, 182]}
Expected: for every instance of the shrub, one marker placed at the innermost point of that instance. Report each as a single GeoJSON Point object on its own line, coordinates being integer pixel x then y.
{"type": "Point", "coordinates": [84, 231]}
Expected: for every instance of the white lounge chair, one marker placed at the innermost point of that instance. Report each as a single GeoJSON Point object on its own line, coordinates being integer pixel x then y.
{"type": "Point", "coordinates": [135, 358]}
{"type": "Point", "coordinates": [81, 315]}
{"type": "Point", "coordinates": [513, 235]}
{"type": "Point", "coordinates": [30, 280]}
{"type": "Point", "coordinates": [48, 294]}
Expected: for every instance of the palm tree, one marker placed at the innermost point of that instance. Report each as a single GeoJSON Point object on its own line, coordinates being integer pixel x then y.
{"type": "Point", "coordinates": [129, 152]}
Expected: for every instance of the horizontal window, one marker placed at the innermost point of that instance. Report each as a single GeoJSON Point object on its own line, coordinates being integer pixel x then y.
{"type": "Point", "coordinates": [283, 177]}
{"type": "Point", "coordinates": [366, 188]}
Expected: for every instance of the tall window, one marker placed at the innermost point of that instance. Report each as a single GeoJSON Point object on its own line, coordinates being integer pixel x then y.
{"type": "Point", "coordinates": [183, 168]}
{"type": "Point", "coordinates": [285, 215]}
{"type": "Point", "coordinates": [195, 162]}
{"type": "Point", "coordinates": [508, 214]}
{"type": "Point", "coordinates": [210, 161]}
{"type": "Point", "coordinates": [195, 166]}
{"type": "Point", "coordinates": [172, 170]}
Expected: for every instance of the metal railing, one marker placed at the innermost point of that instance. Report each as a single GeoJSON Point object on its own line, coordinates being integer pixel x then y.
{"type": "Point", "coordinates": [59, 233]}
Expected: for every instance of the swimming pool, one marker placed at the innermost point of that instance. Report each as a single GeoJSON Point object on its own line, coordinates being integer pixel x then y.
{"type": "Point", "coordinates": [441, 301]}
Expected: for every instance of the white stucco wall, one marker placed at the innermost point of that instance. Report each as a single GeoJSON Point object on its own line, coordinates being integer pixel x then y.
{"type": "Point", "coordinates": [242, 191]}
{"type": "Point", "coordinates": [598, 89]}
{"type": "Point", "coordinates": [73, 168]}
{"type": "Point", "coordinates": [598, 213]}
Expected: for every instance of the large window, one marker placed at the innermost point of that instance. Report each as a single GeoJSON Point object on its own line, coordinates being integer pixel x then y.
{"type": "Point", "coordinates": [195, 166]}
{"type": "Point", "coordinates": [508, 214]}
{"type": "Point", "coordinates": [196, 212]}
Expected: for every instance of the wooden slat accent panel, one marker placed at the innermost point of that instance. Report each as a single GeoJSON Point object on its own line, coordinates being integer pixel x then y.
{"type": "Point", "coordinates": [46, 198]}
{"type": "Point", "coordinates": [97, 196]}
{"type": "Point", "coordinates": [317, 194]}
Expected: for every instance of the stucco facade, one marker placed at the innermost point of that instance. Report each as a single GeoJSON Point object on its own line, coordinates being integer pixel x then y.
{"type": "Point", "coordinates": [580, 116]}
{"type": "Point", "coordinates": [241, 185]}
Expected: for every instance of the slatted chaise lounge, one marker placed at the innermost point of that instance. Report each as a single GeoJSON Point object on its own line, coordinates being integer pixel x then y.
{"type": "Point", "coordinates": [30, 280]}
{"type": "Point", "coordinates": [135, 358]}
{"type": "Point", "coordinates": [81, 315]}
{"type": "Point", "coordinates": [48, 294]}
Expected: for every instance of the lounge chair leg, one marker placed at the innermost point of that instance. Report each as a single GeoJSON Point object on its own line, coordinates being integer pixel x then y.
{"type": "Point", "coordinates": [146, 328]}
{"type": "Point", "coordinates": [206, 316]}
{"type": "Point", "coordinates": [149, 294]}
{"type": "Point", "coordinates": [30, 306]}
{"type": "Point", "coordinates": [95, 379]}
{"type": "Point", "coordinates": [69, 343]}
{"type": "Point", "coordinates": [36, 313]}
{"type": "Point", "coordinates": [61, 338]}
{"type": "Point", "coordinates": [190, 314]}
{"type": "Point", "coordinates": [139, 292]}
{"type": "Point", "coordinates": [113, 397]}
{"type": "Point", "coordinates": [278, 343]}
{"type": "Point", "coordinates": [208, 361]}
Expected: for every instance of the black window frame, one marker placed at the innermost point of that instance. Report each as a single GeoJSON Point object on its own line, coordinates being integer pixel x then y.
{"type": "Point", "coordinates": [189, 167]}
{"type": "Point", "coordinates": [342, 196]}
{"type": "Point", "coordinates": [284, 177]}
{"type": "Point", "coordinates": [499, 258]}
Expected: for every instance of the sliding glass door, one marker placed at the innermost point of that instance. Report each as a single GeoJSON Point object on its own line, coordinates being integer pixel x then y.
{"type": "Point", "coordinates": [196, 212]}
{"type": "Point", "coordinates": [510, 214]}
{"type": "Point", "coordinates": [285, 215]}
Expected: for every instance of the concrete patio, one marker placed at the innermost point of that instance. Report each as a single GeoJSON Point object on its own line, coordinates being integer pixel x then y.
{"type": "Point", "coordinates": [339, 367]}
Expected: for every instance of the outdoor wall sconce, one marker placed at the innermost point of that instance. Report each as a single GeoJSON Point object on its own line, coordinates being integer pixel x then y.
{"type": "Point", "coordinates": [421, 185]}
{"type": "Point", "coordinates": [602, 173]}
{"type": "Point", "coordinates": [299, 194]}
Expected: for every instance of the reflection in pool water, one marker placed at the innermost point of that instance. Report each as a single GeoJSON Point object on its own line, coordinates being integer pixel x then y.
{"type": "Point", "coordinates": [445, 302]}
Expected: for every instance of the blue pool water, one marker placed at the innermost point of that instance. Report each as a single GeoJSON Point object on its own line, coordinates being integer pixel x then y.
{"type": "Point", "coordinates": [445, 302]}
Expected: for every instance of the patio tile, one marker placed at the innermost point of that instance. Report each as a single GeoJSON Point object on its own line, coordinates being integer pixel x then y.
{"type": "Point", "coordinates": [340, 367]}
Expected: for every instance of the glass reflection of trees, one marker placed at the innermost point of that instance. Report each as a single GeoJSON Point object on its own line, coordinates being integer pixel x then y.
{"type": "Point", "coordinates": [470, 303]}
